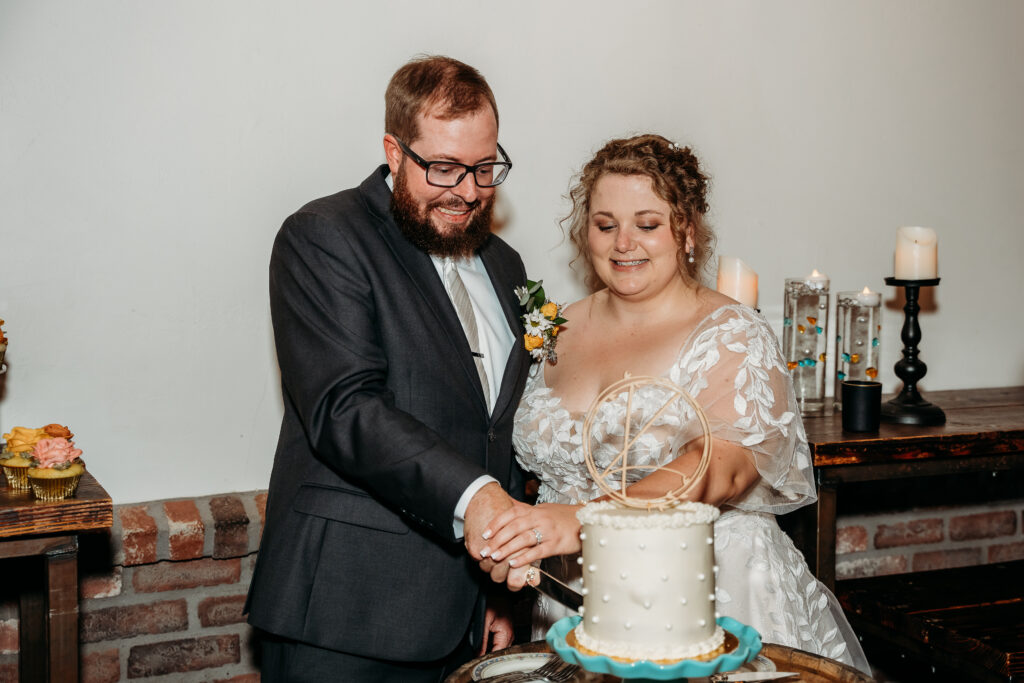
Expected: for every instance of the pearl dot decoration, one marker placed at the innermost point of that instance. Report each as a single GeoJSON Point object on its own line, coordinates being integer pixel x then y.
{"type": "Point", "coordinates": [682, 601]}
{"type": "Point", "coordinates": [664, 577]}
{"type": "Point", "coordinates": [642, 546]}
{"type": "Point", "coordinates": [583, 536]}
{"type": "Point", "coordinates": [624, 575]}
{"type": "Point", "coordinates": [594, 619]}
{"type": "Point", "coordinates": [605, 597]}
{"type": "Point", "coordinates": [702, 622]}
{"type": "Point", "coordinates": [627, 626]}
{"type": "Point", "coordinates": [647, 604]}
{"type": "Point", "coordinates": [683, 545]}
{"type": "Point", "coordinates": [603, 542]}
{"type": "Point", "coordinates": [579, 560]}
{"type": "Point", "coordinates": [592, 568]}
{"type": "Point", "coordinates": [701, 576]}
{"type": "Point", "coordinates": [584, 591]}
{"type": "Point", "coordinates": [668, 627]}
{"type": "Point", "coordinates": [711, 540]}
{"type": "Point", "coordinates": [617, 470]}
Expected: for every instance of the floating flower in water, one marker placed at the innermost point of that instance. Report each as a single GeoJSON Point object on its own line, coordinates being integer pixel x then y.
{"type": "Point", "coordinates": [813, 321]}
{"type": "Point", "coordinates": [801, 329]}
{"type": "Point", "coordinates": [841, 375]}
{"type": "Point", "coordinates": [855, 358]}
{"type": "Point", "coordinates": [845, 357]}
{"type": "Point", "coordinates": [791, 365]}
{"type": "Point", "coordinates": [821, 358]}
{"type": "Point", "coordinates": [874, 342]}
{"type": "Point", "coordinates": [787, 322]}
{"type": "Point", "coordinates": [871, 372]}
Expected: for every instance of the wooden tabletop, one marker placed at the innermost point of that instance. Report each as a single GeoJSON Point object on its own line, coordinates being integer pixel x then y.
{"type": "Point", "coordinates": [22, 514]}
{"type": "Point", "coordinates": [811, 668]}
{"type": "Point", "coordinates": [989, 421]}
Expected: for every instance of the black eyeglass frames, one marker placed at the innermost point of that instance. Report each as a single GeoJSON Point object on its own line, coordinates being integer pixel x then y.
{"type": "Point", "coordinates": [451, 173]}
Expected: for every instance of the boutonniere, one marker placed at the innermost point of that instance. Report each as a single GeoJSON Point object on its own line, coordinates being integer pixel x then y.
{"type": "Point", "coordinates": [541, 321]}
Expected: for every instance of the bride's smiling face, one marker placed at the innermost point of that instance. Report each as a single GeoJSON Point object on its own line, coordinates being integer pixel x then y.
{"type": "Point", "coordinates": [632, 245]}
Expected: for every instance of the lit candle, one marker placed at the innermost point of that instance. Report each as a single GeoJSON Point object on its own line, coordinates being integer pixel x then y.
{"type": "Point", "coordinates": [869, 298]}
{"type": "Point", "coordinates": [917, 254]}
{"type": "Point", "coordinates": [737, 280]}
{"type": "Point", "coordinates": [817, 280]}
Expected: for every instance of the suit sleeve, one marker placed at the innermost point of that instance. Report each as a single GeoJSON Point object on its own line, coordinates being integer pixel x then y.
{"type": "Point", "coordinates": [334, 371]}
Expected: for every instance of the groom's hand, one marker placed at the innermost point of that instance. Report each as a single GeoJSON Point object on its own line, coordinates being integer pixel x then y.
{"type": "Point", "coordinates": [485, 504]}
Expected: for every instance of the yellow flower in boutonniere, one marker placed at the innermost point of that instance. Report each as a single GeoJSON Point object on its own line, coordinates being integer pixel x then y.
{"type": "Point", "coordinates": [542, 320]}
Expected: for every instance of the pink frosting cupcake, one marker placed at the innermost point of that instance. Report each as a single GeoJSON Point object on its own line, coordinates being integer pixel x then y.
{"type": "Point", "coordinates": [56, 470]}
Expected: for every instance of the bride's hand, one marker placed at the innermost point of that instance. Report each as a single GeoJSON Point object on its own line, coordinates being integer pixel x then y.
{"type": "Point", "coordinates": [527, 533]}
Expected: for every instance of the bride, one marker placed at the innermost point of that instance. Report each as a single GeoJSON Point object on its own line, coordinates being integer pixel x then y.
{"type": "Point", "coordinates": [638, 224]}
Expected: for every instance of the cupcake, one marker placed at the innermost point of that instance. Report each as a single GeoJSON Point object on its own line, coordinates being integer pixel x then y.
{"type": "Point", "coordinates": [16, 455]}
{"type": "Point", "coordinates": [56, 469]}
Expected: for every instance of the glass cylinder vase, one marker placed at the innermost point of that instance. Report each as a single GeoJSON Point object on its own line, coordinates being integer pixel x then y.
{"type": "Point", "coordinates": [804, 340]}
{"type": "Point", "coordinates": [858, 329]}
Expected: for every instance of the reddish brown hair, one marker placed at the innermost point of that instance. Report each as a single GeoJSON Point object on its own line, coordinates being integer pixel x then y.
{"type": "Point", "coordinates": [442, 84]}
{"type": "Point", "coordinates": [675, 177]}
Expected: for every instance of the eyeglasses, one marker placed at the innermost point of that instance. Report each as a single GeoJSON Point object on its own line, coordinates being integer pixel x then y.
{"type": "Point", "coordinates": [451, 173]}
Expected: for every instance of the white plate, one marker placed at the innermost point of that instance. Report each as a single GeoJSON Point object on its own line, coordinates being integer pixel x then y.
{"type": "Point", "coordinates": [504, 664]}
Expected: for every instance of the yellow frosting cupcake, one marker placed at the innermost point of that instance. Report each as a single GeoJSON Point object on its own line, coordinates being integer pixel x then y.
{"type": "Point", "coordinates": [16, 455]}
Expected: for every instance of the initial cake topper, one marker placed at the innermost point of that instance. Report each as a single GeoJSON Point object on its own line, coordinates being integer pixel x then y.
{"type": "Point", "coordinates": [620, 466]}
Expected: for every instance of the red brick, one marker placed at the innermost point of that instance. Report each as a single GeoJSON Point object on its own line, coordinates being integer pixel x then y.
{"type": "Point", "coordinates": [100, 585]}
{"type": "Point", "coordinates": [9, 667]}
{"type": "Point", "coordinates": [261, 507]}
{"type": "Point", "coordinates": [230, 527]}
{"type": "Point", "coordinates": [8, 636]}
{"type": "Point", "coordinates": [1006, 552]}
{"type": "Point", "coordinates": [111, 623]}
{"type": "Point", "coordinates": [179, 656]}
{"type": "Point", "coordinates": [243, 678]}
{"type": "Point", "coordinates": [871, 566]}
{"type": "Point", "coordinates": [946, 559]}
{"type": "Point", "coordinates": [138, 537]}
{"type": "Point", "coordinates": [914, 532]}
{"type": "Point", "coordinates": [851, 539]}
{"type": "Point", "coordinates": [101, 667]}
{"type": "Point", "coordinates": [168, 576]}
{"type": "Point", "coordinates": [983, 525]}
{"type": "Point", "coordinates": [185, 529]}
{"type": "Point", "coordinates": [221, 611]}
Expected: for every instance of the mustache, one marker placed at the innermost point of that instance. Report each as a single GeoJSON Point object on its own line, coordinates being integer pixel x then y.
{"type": "Point", "coordinates": [454, 203]}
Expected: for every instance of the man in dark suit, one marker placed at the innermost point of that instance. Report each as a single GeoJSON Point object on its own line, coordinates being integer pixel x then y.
{"type": "Point", "coordinates": [399, 343]}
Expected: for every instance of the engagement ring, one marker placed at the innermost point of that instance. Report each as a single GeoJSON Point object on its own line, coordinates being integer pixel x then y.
{"type": "Point", "coordinates": [537, 535]}
{"type": "Point", "coordinates": [531, 574]}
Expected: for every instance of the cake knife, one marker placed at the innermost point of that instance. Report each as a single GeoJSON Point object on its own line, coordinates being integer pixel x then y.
{"type": "Point", "coordinates": [558, 591]}
{"type": "Point", "coordinates": [744, 676]}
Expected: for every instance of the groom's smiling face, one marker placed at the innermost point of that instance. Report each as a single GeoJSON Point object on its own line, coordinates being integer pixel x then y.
{"type": "Point", "coordinates": [447, 221]}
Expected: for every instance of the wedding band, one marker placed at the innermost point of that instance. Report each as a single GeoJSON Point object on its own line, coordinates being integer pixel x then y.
{"type": "Point", "coordinates": [538, 536]}
{"type": "Point", "coordinates": [531, 574]}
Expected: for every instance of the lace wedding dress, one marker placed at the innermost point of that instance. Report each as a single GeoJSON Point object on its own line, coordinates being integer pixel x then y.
{"type": "Point", "coordinates": [731, 364]}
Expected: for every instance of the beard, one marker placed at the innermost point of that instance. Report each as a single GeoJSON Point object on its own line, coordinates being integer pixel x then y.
{"type": "Point", "coordinates": [417, 227]}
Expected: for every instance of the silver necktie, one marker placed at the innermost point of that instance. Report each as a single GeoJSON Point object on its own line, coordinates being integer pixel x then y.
{"type": "Point", "coordinates": [464, 308]}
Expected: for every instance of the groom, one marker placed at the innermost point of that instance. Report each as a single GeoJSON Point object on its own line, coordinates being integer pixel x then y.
{"type": "Point", "coordinates": [398, 339]}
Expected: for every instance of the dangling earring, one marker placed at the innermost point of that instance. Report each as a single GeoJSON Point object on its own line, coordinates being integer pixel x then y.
{"type": "Point", "coordinates": [689, 257]}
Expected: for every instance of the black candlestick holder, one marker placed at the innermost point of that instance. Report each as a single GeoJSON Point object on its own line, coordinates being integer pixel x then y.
{"type": "Point", "coordinates": [909, 407]}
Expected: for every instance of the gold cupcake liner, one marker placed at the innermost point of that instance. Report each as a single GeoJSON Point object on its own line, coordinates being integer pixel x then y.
{"type": "Point", "coordinates": [57, 488]}
{"type": "Point", "coordinates": [17, 477]}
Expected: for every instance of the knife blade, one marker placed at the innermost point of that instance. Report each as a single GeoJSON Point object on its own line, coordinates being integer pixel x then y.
{"type": "Point", "coordinates": [558, 591]}
{"type": "Point", "coordinates": [745, 676]}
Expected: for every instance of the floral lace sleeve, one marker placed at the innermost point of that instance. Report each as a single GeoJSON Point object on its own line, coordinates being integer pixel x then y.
{"type": "Point", "coordinates": [733, 367]}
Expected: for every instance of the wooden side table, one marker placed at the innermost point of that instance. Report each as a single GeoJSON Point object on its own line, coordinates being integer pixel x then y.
{"type": "Point", "coordinates": [49, 617]}
{"type": "Point", "coordinates": [984, 431]}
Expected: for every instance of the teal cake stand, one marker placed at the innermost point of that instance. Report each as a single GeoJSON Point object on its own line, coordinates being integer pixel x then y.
{"type": "Point", "coordinates": [747, 649]}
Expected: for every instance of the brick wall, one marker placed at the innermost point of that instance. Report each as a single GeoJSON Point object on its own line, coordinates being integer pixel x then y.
{"type": "Point", "coordinates": [162, 594]}
{"type": "Point", "coordinates": [929, 538]}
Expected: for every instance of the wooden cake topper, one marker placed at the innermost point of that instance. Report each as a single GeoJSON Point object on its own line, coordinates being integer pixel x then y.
{"type": "Point", "coordinates": [620, 466]}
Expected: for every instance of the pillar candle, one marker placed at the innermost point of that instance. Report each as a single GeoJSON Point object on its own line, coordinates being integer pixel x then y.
{"type": "Point", "coordinates": [916, 256]}
{"type": "Point", "coordinates": [737, 280]}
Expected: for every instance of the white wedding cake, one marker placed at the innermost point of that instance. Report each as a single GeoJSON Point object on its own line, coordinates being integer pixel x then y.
{"type": "Point", "coordinates": [649, 582]}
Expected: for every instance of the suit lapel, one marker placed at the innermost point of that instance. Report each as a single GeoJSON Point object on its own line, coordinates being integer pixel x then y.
{"type": "Point", "coordinates": [505, 280]}
{"type": "Point", "coordinates": [422, 272]}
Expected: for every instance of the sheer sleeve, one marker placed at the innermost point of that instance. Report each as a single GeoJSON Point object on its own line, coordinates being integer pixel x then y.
{"type": "Point", "coordinates": [732, 365]}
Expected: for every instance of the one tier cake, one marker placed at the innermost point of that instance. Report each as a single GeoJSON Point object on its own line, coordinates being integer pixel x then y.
{"type": "Point", "coordinates": [649, 582]}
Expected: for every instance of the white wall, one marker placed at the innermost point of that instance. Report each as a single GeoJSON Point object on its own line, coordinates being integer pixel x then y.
{"type": "Point", "coordinates": [150, 151]}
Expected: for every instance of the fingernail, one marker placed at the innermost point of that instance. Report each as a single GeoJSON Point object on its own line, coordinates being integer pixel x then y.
{"type": "Point", "coordinates": [511, 563]}
{"type": "Point", "coordinates": [496, 556]}
{"type": "Point", "coordinates": [485, 552]}
{"type": "Point", "coordinates": [487, 534]}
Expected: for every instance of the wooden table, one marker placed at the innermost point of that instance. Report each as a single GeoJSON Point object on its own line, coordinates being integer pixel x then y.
{"type": "Point", "coordinates": [49, 614]}
{"type": "Point", "coordinates": [984, 431]}
{"type": "Point", "coordinates": [968, 620]}
{"type": "Point", "coordinates": [812, 668]}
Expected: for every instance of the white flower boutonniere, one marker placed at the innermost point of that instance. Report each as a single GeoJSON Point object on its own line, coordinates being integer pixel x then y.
{"type": "Point", "coordinates": [541, 321]}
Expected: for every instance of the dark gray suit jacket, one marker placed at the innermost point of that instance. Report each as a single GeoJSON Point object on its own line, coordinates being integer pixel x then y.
{"type": "Point", "coordinates": [385, 425]}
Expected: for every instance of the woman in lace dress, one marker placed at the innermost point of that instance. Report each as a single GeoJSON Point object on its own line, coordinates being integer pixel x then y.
{"type": "Point", "coordinates": [638, 224]}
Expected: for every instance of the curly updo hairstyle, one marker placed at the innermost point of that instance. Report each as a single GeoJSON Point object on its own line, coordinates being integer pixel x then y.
{"type": "Point", "coordinates": [676, 178]}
